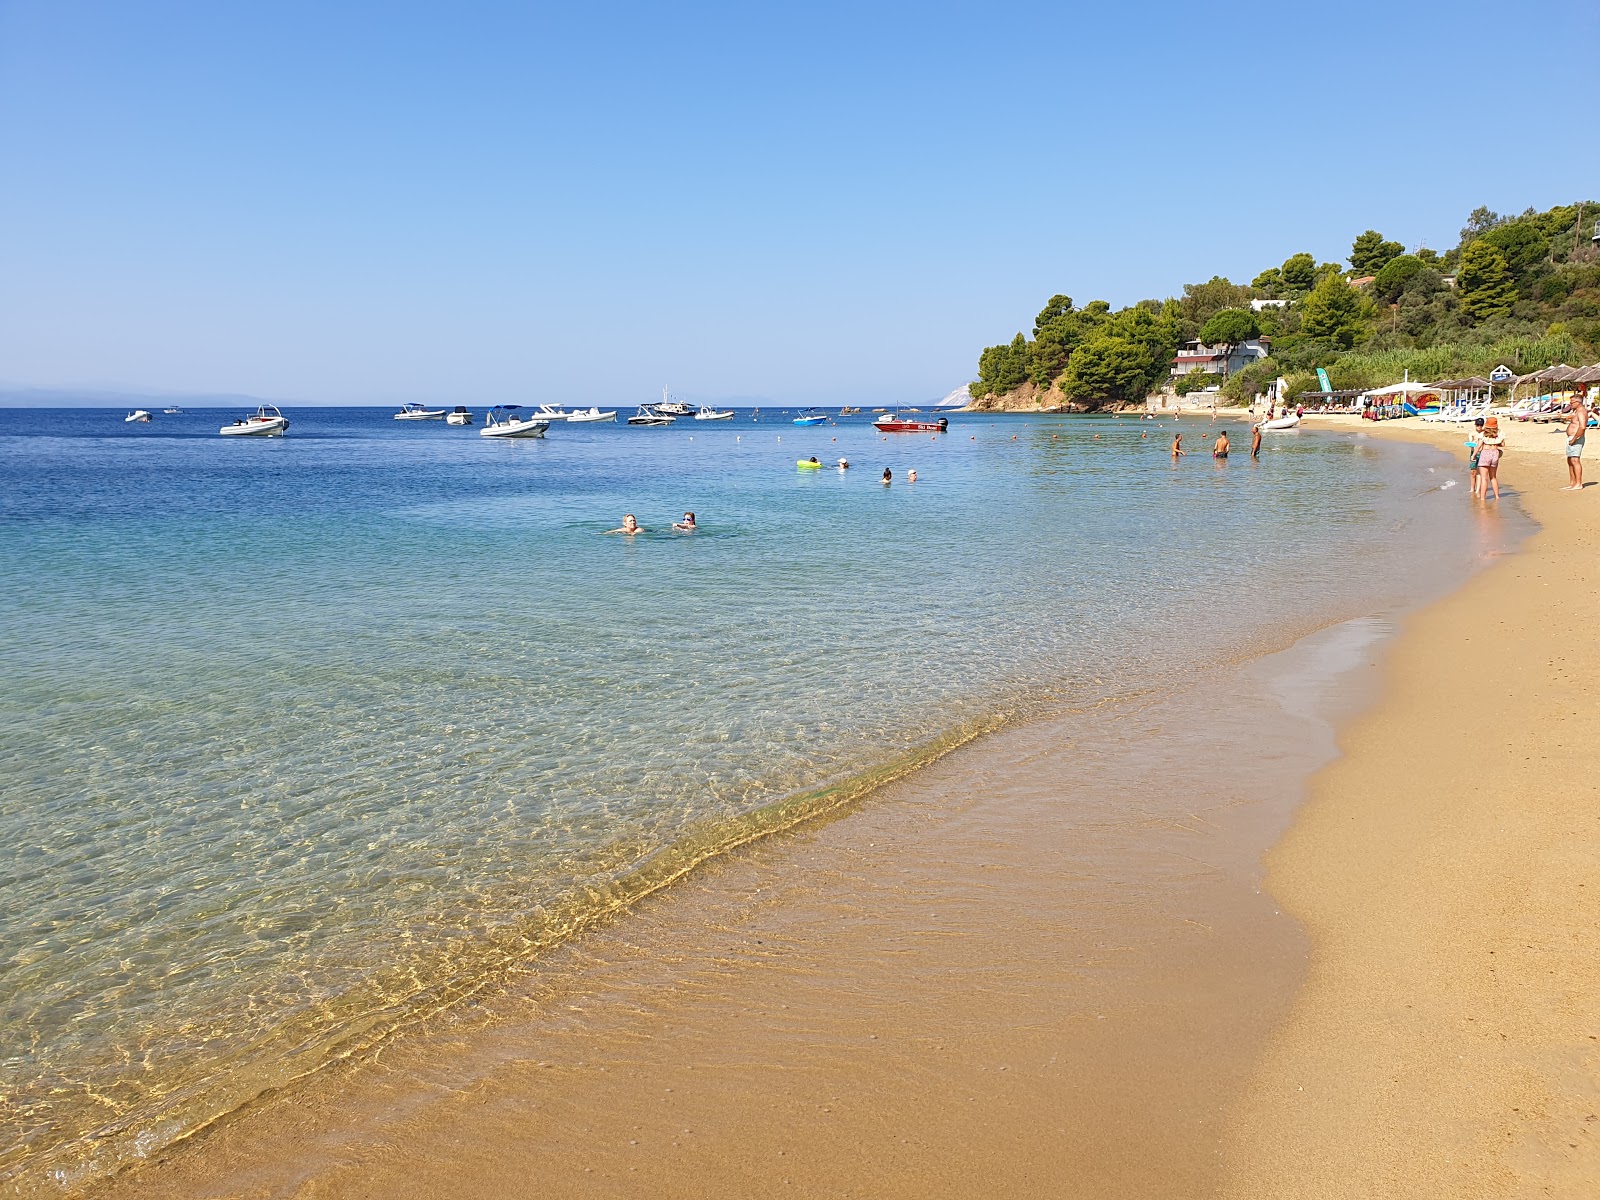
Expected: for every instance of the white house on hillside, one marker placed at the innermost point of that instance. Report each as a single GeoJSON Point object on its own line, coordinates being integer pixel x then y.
{"type": "Point", "coordinates": [1194, 355]}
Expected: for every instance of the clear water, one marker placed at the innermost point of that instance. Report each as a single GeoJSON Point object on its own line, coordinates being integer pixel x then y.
{"type": "Point", "coordinates": [301, 738]}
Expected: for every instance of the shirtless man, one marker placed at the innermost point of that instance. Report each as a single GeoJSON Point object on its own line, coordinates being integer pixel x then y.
{"type": "Point", "coordinates": [1220, 450]}
{"type": "Point", "coordinates": [1255, 443]}
{"type": "Point", "coordinates": [1577, 428]}
{"type": "Point", "coordinates": [1177, 447]}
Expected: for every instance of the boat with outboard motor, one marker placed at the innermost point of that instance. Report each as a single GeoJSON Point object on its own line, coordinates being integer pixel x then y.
{"type": "Point", "coordinates": [419, 412]}
{"type": "Point", "coordinates": [706, 413]}
{"type": "Point", "coordinates": [137, 417]}
{"type": "Point", "coordinates": [592, 413]}
{"type": "Point", "coordinates": [459, 415]}
{"type": "Point", "coordinates": [172, 410]}
{"type": "Point", "coordinates": [550, 412]}
{"type": "Point", "coordinates": [810, 416]}
{"type": "Point", "coordinates": [899, 424]}
{"type": "Point", "coordinates": [649, 414]}
{"type": "Point", "coordinates": [268, 421]}
{"type": "Point", "coordinates": [1288, 421]}
{"type": "Point", "coordinates": [502, 422]}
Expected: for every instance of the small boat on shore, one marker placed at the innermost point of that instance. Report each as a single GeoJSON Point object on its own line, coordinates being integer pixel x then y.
{"type": "Point", "coordinates": [137, 417]}
{"type": "Point", "coordinates": [899, 424]}
{"type": "Point", "coordinates": [810, 416]}
{"type": "Point", "coordinates": [1284, 422]}
{"type": "Point", "coordinates": [591, 414]}
{"type": "Point", "coordinates": [502, 422]}
{"type": "Point", "coordinates": [419, 412]}
{"type": "Point", "coordinates": [649, 414]}
{"type": "Point", "coordinates": [707, 413]}
{"type": "Point", "coordinates": [459, 416]}
{"type": "Point", "coordinates": [268, 421]}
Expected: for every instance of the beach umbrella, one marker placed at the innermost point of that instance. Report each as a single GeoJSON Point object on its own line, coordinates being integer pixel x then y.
{"type": "Point", "coordinates": [1588, 375]}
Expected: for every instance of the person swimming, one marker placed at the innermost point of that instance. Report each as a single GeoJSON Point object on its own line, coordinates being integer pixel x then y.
{"type": "Point", "coordinates": [888, 477]}
{"type": "Point", "coordinates": [844, 464]}
{"type": "Point", "coordinates": [629, 526]}
{"type": "Point", "coordinates": [686, 525]}
{"type": "Point", "coordinates": [911, 477]}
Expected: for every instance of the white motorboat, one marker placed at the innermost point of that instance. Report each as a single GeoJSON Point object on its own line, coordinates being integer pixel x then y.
{"type": "Point", "coordinates": [649, 414]}
{"type": "Point", "coordinates": [267, 422]}
{"type": "Point", "coordinates": [550, 412]}
{"type": "Point", "coordinates": [592, 414]}
{"type": "Point", "coordinates": [172, 410]}
{"type": "Point", "coordinates": [138, 415]}
{"type": "Point", "coordinates": [1285, 422]}
{"type": "Point", "coordinates": [419, 412]}
{"type": "Point", "coordinates": [711, 414]}
{"type": "Point", "coordinates": [503, 422]}
{"type": "Point", "coordinates": [458, 416]}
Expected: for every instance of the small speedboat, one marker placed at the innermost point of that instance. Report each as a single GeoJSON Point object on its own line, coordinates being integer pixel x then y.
{"type": "Point", "coordinates": [1285, 422]}
{"type": "Point", "coordinates": [267, 422]}
{"type": "Point", "coordinates": [649, 414]}
{"type": "Point", "coordinates": [173, 410]}
{"type": "Point", "coordinates": [592, 414]}
{"type": "Point", "coordinates": [138, 415]}
{"type": "Point", "coordinates": [710, 414]}
{"type": "Point", "coordinates": [899, 424]}
{"type": "Point", "coordinates": [458, 416]}
{"type": "Point", "coordinates": [419, 412]}
{"type": "Point", "coordinates": [503, 422]}
{"type": "Point", "coordinates": [550, 412]}
{"type": "Point", "coordinates": [811, 416]}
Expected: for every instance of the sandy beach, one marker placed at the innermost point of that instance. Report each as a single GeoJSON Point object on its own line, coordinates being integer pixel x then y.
{"type": "Point", "coordinates": [972, 986]}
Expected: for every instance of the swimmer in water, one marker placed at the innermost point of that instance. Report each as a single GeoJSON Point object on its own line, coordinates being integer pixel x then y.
{"type": "Point", "coordinates": [844, 464]}
{"type": "Point", "coordinates": [888, 477]}
{"type": "Point", "coordinates": [1177, 447]}
{"type": "Point", "coordinates": [1255, 443]}
{"type": "Point", "coordinates": [911, 477]}
{"type": "Point", "coordinates": [630, 526]}
{"type": "Point", "coordinates": [686, 525]}
{"type": "Point", "coordinates": [1220, 450]}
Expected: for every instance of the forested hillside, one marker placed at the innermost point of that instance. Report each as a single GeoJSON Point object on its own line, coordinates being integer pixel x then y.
{"type": "Point", "coordinates": [1521, 290]}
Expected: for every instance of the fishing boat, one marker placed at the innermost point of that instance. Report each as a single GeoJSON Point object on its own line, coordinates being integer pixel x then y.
{"type": "Point", "coordinates": [137, 416]}
{"type": "Point", "coordinates": [899, 424]}
{"type": "Point", "coordinates": [674, 408]}
{"type": "Point", "coordinates": [706, 413]}
{"type": "Point", "coordinates": [503, 422]}
{"type": "Point", "coordinates": [458, 416]}
{"type": "Point", "coordinates": [810, 416]}
{"type": "Point", "coordinates": [267, 422]}
{"type": "Point", "coordinates": [592, 413]}
{"type": "Point", "coordinates": [650, 414]}
{"type": "Point", "coordinates": [1288, 421]}
{"type": "Point", "coordinates": [419, 412]}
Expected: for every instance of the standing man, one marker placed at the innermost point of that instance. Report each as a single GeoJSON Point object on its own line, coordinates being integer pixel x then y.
{"type": "Point", "coordinates": [1577, 429]}
{"type": "Point", "coordinates": [1255, 443]}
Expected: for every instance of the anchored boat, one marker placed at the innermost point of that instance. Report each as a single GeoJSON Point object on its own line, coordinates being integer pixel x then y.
{"type": "Point", "coordinates": [899, 424]}
{"type": "Point", "coordinates": [502, 422]}
{"type": "Point", "coordinates": [419, 412]}
{"type": "Point", "coordinates": [267, 422]}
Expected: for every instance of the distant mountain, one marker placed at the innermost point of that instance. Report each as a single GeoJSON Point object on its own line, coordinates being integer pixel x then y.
{"type": "Point", "coordinates": [959, 398]}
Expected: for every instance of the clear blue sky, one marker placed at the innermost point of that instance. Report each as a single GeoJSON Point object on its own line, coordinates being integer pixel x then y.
{"type": "Point", "coordinates": [471, 201]}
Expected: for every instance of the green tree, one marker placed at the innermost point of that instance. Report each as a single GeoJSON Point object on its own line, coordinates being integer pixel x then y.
{"type": "Point", "coordinates": [1229, 328]}
{"type": "Point", "coordinates": [1394, 276]}
{"type": "Point", "coordinates": [1299, 273]}
{"type": "Point", "coordinates": [1057, 307]}
{"type": "Point", "coordinates": [1200, 300]}
{"type": "Point", "coordinates": [1523, 247]}
{"type": "Point", "coordinates": [1479, 222]}
{"type": "Point", "coordinates": [1369, 253]}
{"type": "Point", "coordinates": [1333, 311]}
{"type": "Point", "coordinates": [1107, 367]}
{"type": "Point", "coordinates": [1269, 283]}
{"type": "Point", "coordinates": [1484, 283]}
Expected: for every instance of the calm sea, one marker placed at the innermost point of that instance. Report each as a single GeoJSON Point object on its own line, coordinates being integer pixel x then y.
{"type": "Point", "coordinates": [302, 738]}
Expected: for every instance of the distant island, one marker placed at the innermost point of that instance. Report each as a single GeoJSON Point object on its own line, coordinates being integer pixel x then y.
{"type": "Point", "coordinates": [1522, 291]}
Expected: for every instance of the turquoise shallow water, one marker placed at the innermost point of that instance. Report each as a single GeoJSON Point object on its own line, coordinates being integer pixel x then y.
{"type": "Point", "coordinates": [301, 737]}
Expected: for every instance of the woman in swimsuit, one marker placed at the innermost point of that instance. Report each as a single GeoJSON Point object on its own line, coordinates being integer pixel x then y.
{"type": "Point", "coordinates": [630, 526]}
{"type": "Point", "coordinates": [1489, 458]}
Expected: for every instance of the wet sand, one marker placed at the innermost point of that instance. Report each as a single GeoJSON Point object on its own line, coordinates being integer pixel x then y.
{"type": "Point", "coordinates": [1447, 1041]}
{"type": "Point", "coordinates": [1039, 967]}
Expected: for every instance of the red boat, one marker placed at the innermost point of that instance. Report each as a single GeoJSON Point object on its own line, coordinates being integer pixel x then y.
{"type": "Point", "coordinates": [899, 424]}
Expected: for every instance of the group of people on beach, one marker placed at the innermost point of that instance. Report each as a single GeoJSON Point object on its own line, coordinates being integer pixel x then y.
{"type": "Point", "coordinates": [1485, 448]}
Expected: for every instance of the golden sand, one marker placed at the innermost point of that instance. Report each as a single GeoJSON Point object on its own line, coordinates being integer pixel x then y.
{"type": "Point", "coordinates": [1447, 1041]}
